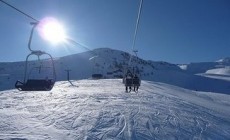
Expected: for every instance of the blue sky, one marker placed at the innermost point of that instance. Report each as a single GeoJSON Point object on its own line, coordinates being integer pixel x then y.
{"type": "Point", "coordinates": [176, 31]}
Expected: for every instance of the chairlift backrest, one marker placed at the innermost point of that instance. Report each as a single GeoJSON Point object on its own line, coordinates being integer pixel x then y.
{"type": "Point", "coordinates": [28, 72]}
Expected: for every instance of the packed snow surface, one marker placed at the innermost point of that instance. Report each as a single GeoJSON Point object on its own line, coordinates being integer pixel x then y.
{"type": "Point", "coordinates": [101, 109]}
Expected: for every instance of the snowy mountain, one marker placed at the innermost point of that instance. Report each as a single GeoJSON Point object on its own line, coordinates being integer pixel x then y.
{"type": "Point", "coordinates": [101, 110]}
{"type": "Point", "coordinates": [112, 64]}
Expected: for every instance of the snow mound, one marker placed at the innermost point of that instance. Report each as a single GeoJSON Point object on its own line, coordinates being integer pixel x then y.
{"type": "Point", "coordinates": [100, 109]}
{"type": "Point", "coordinates": [219, 71]}
{"type": "Point", "coordinates": [183, 67]}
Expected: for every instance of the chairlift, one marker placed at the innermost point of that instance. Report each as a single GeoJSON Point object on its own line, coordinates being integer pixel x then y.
{"type": "Point", "coordinates": [34, 83]}
{"type": "Point", "coordinates": [131, 77]}
{"type": "Point", "coordinates": [134, 81]}
{"type": "Point", "coordinates": [131, 80]}
{"type": "Point", "coordinates": [96, 71]}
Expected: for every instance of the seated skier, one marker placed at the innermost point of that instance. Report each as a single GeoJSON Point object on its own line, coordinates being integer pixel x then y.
{"type": "Point", "coordinates": [136, 83]}
{"type": "Point", "coordinates": [128, 81]}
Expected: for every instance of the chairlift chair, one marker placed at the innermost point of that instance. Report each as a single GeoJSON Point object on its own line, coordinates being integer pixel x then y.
{"type": "Point", "coordinates": [131, 78]}
{"type": "Point", "coordinates": [35, 84]}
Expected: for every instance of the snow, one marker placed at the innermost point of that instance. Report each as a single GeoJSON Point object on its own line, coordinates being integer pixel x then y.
{"type": "Point", "coordinates": [183, 67]}
{"type": "Point", "coordinates": [101, 109]}
{"type": "Point", "coordinates": [219, 71]}
{"type": "Point", "coordinates": [224, 60]}
{"type": "Point", "coordinates": [203, 67]}
{"type": "Point", "coordinates": [216, 76]}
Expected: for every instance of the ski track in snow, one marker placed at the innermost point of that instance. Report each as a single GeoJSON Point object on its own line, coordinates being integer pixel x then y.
{"type": "Point", "coordinates": [101, 109]}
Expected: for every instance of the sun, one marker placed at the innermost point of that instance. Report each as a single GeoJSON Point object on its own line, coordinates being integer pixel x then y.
{"type": "Point", "coordinates": [51, 30]}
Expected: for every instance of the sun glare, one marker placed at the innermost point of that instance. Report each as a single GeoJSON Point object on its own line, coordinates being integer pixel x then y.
{"type": "Point", "coordinates": [50, 29]}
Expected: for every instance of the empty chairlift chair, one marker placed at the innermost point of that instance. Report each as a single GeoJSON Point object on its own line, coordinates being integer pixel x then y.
{"type": "Point", "coordinates": [44, 83]}
{"type": "Point", "coordinates": [37, 84]}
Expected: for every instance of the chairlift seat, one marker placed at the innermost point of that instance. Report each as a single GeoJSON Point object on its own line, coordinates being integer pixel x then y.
{"type": "Point", "coordinates": [97, 76]}
{"type": "Point", "coordinates": [35, 85]}
{"type": "Point", "coordinates": [132, 82]}
{"type": "Point", "coordinates": [128, 82]}
{"type": "Point", "coordinates": [136, 81]}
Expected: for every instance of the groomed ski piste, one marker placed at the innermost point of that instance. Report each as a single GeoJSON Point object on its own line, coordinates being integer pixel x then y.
{"type": "Point", "coordinates": [102, 110]}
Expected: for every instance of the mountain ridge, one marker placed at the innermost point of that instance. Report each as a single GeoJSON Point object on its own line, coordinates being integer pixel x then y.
{"type": "Point", "coordinates": [112, 64]}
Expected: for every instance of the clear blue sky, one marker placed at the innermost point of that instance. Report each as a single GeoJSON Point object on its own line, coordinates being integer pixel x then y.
{"type": "Point", "coordinates": [176, 31]}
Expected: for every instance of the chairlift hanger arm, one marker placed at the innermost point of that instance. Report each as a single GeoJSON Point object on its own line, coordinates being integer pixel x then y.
{"type": "Point", "coordinates": [31, 35]}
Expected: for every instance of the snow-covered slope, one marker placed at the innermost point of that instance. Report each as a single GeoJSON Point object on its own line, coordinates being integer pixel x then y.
{"type": "Point", "coordinates": [100, 109]}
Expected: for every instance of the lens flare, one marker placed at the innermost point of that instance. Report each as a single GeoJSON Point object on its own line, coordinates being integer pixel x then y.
{"type": "Point", "coordinates": [50, 29]}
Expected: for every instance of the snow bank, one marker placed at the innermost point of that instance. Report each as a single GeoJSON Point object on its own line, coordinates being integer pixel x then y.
{"type": "Point", "coordinates": [219, 71]}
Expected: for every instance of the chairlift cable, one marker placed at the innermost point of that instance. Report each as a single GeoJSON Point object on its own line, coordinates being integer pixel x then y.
{"type": "Point", "coordinates": [19, 10]}
{"type": "Point", "coordinates": [137, 25]}
{"type": "Point", "coordinates": [70, 40]}
{"type": "Point", "coordinates": [29, 16]}
{"type": "Point", "coordinates": [77, 43]}
{"type": "Point", "coordinates": [136, 29]}
{"type": "Point", "coordinates": [37, 52]}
